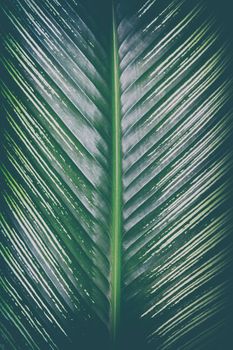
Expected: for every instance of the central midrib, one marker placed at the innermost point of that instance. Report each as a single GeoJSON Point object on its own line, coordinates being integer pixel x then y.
{"type": "Point", "coordinates": [116, 190]}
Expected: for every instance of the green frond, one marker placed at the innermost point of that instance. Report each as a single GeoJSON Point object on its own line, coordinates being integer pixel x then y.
{"type": "Point", "coordinates": [116, 175]}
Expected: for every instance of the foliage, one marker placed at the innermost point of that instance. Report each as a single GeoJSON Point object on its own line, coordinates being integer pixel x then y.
{"type": "Point", "coordinates": [115, 172]}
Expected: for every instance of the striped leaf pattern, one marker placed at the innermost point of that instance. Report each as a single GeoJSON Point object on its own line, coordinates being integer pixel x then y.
{"type": "Point", "coordinates": [55, 237]}
{"type": "Point", "coordinates": [176, 132]}
{"type": "Point", "coordinates": [165, 66]}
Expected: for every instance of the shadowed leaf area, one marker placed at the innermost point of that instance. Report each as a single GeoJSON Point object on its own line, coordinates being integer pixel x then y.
{"type": "Point", "coordinates": [116, 175]}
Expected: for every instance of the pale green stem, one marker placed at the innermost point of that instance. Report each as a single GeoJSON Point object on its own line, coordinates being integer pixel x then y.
{"type": "Point", "coordinates": [116, 193]}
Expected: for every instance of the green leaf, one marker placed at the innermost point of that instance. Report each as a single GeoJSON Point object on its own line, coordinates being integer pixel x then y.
{"type": "Point", "coordinates": [116, 162]}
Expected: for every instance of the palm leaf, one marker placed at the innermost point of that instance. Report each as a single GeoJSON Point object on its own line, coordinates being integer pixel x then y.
{"type": "Point", "coordinates": [116, 175]}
